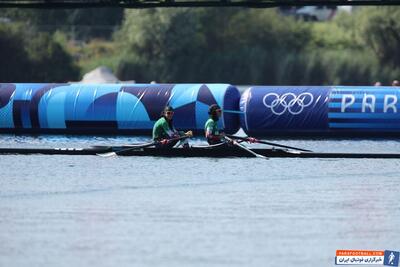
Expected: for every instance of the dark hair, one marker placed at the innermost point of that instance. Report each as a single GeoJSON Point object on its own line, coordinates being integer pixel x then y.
{"type": "Point", "coordinates": [168, 108]}
{"type": "Point", "coordinates": [213, 108]}
{"type": "Point", "coordinates": [212, 111]}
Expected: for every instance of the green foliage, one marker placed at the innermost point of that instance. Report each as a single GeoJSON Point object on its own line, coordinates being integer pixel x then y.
{"type": "Point", "coordinates": [337, 34]}
{"type": "Point", "coordinates": [79, 24]}
{"type": "Point", "coordinates": [45, 54]}
{"type": "Point", "coordinates": [14, 59]}
{"type": "Point", "coordinates": [33, 57]}
{"type": "Point", "coordinates": [248, 46]}
{"type": "Point", "coordinates": [232, 45]}
{"type": "Point", "coordinates": [380, 30]}
{"type": "Point", "coordinates": [96, 53]}
{"type": "Point", "coordinates": [209, 45]}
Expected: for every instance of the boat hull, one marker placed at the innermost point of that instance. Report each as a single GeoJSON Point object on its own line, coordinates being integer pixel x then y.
{"type": "Point", "coordinates": [208, 152]}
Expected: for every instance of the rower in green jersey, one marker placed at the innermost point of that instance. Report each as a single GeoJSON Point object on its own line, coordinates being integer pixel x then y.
{"type": "Point", "coordinates": [213, 134]}
{"type": "Point", "coordinates": [164, 131]}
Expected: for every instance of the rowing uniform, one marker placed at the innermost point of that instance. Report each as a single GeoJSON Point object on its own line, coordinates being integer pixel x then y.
{"type": "Point", "coordinates": [212, 132]}
{"type": "Point", "coordinates": [162, 130]}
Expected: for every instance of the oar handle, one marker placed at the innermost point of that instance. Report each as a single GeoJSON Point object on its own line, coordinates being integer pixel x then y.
{"type": "Point", "coordinates": [176, 138]}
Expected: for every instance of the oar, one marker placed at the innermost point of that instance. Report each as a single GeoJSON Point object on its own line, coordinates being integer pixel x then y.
{"type": "Point", "coordinates": [245, 148]}
{"type": "Point", "coordinates": [269, 143]}
{"type": "Point", "coordinates": [115, 153]}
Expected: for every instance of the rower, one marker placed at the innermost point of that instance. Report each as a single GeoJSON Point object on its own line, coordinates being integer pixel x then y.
{"type": "Point", "coordinates": [213, 134]}
{"type": "Point", "coordinates": [164, 131]}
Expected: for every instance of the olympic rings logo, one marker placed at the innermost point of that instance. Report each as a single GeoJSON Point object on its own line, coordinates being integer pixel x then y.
{"type": "Point", "coordinates": [279, 104]}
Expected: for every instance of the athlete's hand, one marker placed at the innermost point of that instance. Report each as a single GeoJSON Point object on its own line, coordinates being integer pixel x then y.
{"type": "Point", "coordinates": [189, 133]}
{"type": "Point", "coordinates": [230, 142]}
{"type": "Point", "coordinates": [251, 140]}
{"type": "Point", "coordinates": [164, 142]}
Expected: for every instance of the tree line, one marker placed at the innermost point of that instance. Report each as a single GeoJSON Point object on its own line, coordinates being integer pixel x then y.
{"type": "Point", "coordinates": [232, 45]}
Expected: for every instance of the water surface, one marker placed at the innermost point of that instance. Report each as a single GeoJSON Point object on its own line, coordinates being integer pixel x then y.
{"type": "Point", "coordinates": [146, 211]}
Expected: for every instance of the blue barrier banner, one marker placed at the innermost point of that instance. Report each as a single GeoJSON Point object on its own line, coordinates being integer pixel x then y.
{"type": "Point", "coordinates": [112, 108]}
{"type": "Point", "coordinates": [367, 109]}
{"type": "Point", "coordinates": [284, 109]}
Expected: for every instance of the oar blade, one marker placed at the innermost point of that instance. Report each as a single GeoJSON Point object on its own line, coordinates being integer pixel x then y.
{"type": "Point", "coordinates": [261, 156]}
{"type": "Point", "coordinates": [107, 155]}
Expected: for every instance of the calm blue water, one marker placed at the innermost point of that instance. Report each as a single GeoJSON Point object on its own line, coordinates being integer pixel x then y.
{"type": "Point", "coordinates": [145, 211]}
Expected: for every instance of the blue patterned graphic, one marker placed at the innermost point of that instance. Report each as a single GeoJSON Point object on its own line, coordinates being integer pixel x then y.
{"type": "Point", "coordinates": [110, 108]}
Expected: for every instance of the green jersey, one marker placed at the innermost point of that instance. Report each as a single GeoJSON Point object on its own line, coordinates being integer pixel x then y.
{"type": "Point", "coordinates": [162, 130]}
{"type": "Point", "coordinates": [211, 128]}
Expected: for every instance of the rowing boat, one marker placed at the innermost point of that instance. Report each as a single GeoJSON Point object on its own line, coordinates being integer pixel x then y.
{"type": "Point", "coordinates": [216, 151]}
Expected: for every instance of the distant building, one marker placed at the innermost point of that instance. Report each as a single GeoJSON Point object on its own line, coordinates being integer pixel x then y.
{"type": "Point", "coordinates": [5, 20]}
{"type": "Point", "coordinates": [101, 74]}
{"type": "Point", "coordinates": [316, 13]}
{"type": "Point", "coordinates": [313, 13]}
